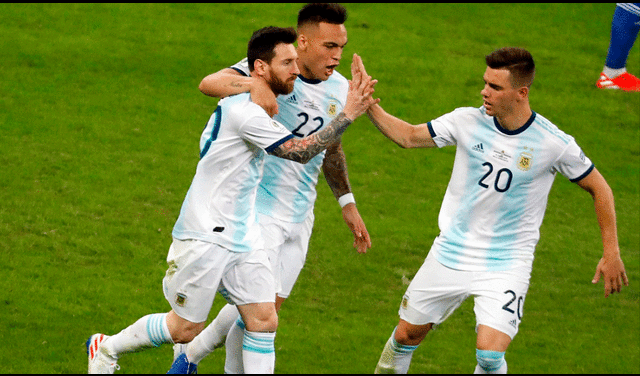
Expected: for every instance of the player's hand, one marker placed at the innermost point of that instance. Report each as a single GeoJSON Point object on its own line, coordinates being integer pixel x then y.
{"type": "Point", "coordinates": [263, 96]}
{"type": "Point", "coordinates": [612, 270]}
{"type": "Point", "coordinates": [361, 88]}
{"type": "Point", "coordinates": [351, 216]}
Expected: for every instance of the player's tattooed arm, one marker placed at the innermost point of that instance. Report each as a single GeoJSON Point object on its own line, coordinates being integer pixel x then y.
{"type": "Point", "coordinates": [228, 81]}
{"type": "Point", "coordinates": [334, 168]}
{"type": "Point", "coordinates": [224, 83]}
{"type": "Point", "coordinates": [302, 150]}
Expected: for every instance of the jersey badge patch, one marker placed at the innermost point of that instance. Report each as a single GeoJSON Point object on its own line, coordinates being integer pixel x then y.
{"type": "Point", "coordinates": [332, 110]}
{"type": "Point", "coordinates": [405, 302]}
{"type": "Point", "coordinates": [524, 162]}
{"type": "Point", "coordinates": [181, 299]}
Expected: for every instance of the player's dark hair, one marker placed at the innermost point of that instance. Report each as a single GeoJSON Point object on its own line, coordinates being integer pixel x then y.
{"type": "Point", "coordinates": [322, 12]}
{"type": "Point", "coordinates": [518, 61]}
{"type": "Point", "coordinates": [264, 41]}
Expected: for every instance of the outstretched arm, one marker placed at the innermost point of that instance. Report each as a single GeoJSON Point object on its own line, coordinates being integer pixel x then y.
{"type": "Point", "coordinates": [397, 130]}
{"type": "Point", "coordinates": [610, 266]}
{"type": "Point", "coordinates": [334, 168]}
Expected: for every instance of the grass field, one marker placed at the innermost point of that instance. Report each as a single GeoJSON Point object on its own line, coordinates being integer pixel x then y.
{"type": "Point", "coordinates": [100, 118]}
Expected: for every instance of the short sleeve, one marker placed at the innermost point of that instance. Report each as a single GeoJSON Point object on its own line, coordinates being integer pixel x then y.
{"type": "Point", "coordinates": [443, 129]}
{"type": "Point", "coordinates": [265, 132]}
{"type": "Point", "coordinates": [573, 163]}
{"type": "Point", "coordinates": [242, 67]}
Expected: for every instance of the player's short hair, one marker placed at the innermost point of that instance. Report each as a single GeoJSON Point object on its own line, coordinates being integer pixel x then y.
{"type": "Point", "coordinates": [315, 13]}
{"type": "Point", "coordinates": [517, 61]}
{"type": "Point", "coordinates": [264, 41]}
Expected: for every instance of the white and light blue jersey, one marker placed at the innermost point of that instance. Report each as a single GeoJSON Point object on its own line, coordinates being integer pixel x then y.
{"type": "Point", "coordinates": [495, 201]}
{"type": "Point", "coordinates": [287, 191]}
{"type": "Point", "coordinates": [220, 204]}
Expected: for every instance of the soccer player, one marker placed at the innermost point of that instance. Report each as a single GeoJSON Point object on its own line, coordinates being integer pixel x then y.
{"type": "Point", "coordinates": [507, 157]}
{"type": "Point", "coordinates": [624, 31]}
{"type": "Point", "coordinates": [217, 244]}
{"type": "Point", "coordinates": [287, 192]}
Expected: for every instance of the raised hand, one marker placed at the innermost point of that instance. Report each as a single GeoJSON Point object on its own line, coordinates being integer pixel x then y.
{"type": "Point", "coordinates": [361, 89]}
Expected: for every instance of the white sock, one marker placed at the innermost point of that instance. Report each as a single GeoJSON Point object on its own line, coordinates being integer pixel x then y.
{"type": "Point", "coordinates": [149, 331]}
{"type": "Point", "coordinates": [233, 347]}
{"type": "Point", "coordinates": [501, 370]}
{"type": "Point", "coordinates": [213, 336]}
{"type": "Point", "coordinates": [395, 357]}
{"type": "Point", "coordinates": [490, 362]}
{"type": "Point", "coordinates": [613, 73]}
{"type": "Point", "coordinates": [258, 352]}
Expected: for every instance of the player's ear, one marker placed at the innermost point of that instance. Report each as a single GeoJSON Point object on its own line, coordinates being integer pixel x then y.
{"type": "Point", "coordinates": [260, 66]}
{"type": "Point", "coordinates": [303, 42]}
{"type": "Point", "coordinates": [523, 92]}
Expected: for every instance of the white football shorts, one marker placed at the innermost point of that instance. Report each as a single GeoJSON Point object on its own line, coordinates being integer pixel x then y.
{"type": "Point", "coordinates": [197, 270]}
{"type": "Point", "coordinates": [286, 245]}
{"type": "Point", "coordinates": [436, 291]}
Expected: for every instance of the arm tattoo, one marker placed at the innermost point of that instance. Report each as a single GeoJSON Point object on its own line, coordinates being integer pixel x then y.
{"type": "Point", "coordinates": [334, 168]}
{"type": "Point", "coordinates": [302, 150]}
{"type": "Point", "coordinates": [235, 84]}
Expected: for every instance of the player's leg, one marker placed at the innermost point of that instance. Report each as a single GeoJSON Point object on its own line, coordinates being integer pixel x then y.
{"type": "Point", "coordinates": [233, 348]}
{"type": "Point", "coordinates": [433, 294]}
{"type": "Point", "coordinates": [292, 255]}
{"type": "Point", "coordinates": [273, 235]}
{"type": "Point", "coordinates": [624, 31]}
{"type": "Point", "coordinates": [148, 331]}
{"type": "Point", "coordinates": [491, 346]}
{"type": "Point", "coordinates": [212, 337]}
{"type": "Point", "coordinates": [258, 344]}
{"type": "Point", "coordinates": [397, 352]}
{"type": "Point", "coordinates": [499, 307]}
{"type": "Point", "coordinates": [251, 286]}
{"type": "Point", "coordinates": [190, 306]}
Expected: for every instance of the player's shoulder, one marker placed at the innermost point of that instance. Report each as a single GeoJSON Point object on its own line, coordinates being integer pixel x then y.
{"type": "Point", "coordinates": [551, 131]}
{"type": "Point", "coordinates": [240, 107]}
{"type": "Point", "coordinates": [242, 67]}
{"type": "Point", "coordinates": [338, 77]}
{"type": "Point", "coordinates": [465, 114]}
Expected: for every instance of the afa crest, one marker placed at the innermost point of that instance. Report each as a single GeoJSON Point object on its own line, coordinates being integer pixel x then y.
{"type": "Point", "coordinates": [405, 302]}
{"type": "Point", "coordinates": [181, 299]}
{"type": "Point", "coordinates": [332, 109]}
{"type": "Point", "coordinates": [525, 161]}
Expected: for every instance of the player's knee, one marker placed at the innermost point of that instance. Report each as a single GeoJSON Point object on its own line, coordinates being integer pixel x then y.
{"type": "Point", "coordinates": [186, 332]}
{"type": "Point", "coordinates": [408, 334]}
{"type": "Point", "coordinates": [490, 361]}
{"type": "Point", "coordinates": [263, 321]}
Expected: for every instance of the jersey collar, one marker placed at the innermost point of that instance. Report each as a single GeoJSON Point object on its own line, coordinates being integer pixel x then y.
{"type": "Point", "coordinates": [517, 131]}
{"type": "Point", "coordinates": [308, 80]}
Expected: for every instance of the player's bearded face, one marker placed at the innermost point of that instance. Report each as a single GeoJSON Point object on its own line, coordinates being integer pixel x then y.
{"type": "Point", "coordinates": [283, 70]}
{"type": "Point", "coordinates": [279, 86]}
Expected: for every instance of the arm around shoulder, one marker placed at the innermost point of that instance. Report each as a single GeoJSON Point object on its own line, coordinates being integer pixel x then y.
{"type": "Point", "coordinates": [224, 83]}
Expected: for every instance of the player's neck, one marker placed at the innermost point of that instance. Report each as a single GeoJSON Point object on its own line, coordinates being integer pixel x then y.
{"type": "Point", "coordinates": [516, 119]}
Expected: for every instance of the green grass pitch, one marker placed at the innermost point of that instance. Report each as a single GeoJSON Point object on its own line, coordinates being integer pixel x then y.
{"type": "Point", "coordinates": [100, 118]}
